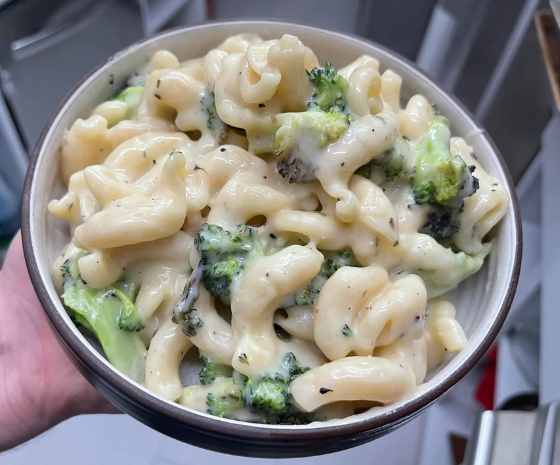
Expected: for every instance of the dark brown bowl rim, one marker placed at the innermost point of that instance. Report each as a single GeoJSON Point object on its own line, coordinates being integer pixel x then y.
{"type": "Point", "coordinates": [241, 429]}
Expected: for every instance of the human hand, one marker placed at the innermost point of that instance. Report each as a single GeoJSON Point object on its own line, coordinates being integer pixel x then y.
{"type": "Point", "coordinates": [39, 386]}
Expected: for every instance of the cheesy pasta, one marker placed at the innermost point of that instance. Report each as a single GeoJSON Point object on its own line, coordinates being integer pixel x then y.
{"type": "Point", "coordinates": [295, 226]}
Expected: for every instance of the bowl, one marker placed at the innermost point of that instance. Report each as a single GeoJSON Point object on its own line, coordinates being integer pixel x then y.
{"type": "Point", "coordinates": [482, 301]}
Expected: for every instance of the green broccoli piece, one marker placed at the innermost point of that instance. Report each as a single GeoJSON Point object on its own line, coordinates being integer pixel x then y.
{"type": "Point", "coordinates": [442, 223]}
{"type": "Point", "coordinates": [214, 123]}
{"type": "Point", "coordinates": [130, 318]}
{"type": "Point", "coordinates": [301, 136]}
{"type": "Point", "coordinates": [265, 398]}
{"type": "Point", "coordinates": [221, 398]}
{"type": "Point", "coordinates": [388, 166]}
{"type": "Point", "coordinates": [267, 394]}
{"type": "Point", "coordinates": [439, 176]}
{"type": "Point", "coordinates": [323, 127]}
{"type": "Point", "coordinates": [443, 220]}
{"type": "Point", "coordinates": [295, 139]}
{"type": "Point", "coordinates": [103, 312]}
{"type": "Point", "coordinates": [213, 371]}
{"type": "Point", "coordinates": [330, 88]}
{"type": "Point", "coordinates": [440, 280]}
{"type": "Point", "coordinates": [130, 96]}
{"type": "Point", "coordinates": [332, 262]}
{"type": "Point", "coordinates": [223, 256]}
{"type": "Point", "coordinates": [443, 181]}
{"type": "Point", "coordinates": [270, 393]}
{"type": "Point", "coordinates": [110, 315]}
{"type": "Point", "coordinates": [222, 406]}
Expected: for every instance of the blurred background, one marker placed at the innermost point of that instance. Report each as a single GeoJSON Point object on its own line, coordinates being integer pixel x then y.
{"type": "Point", "coordinates": [492, 54]}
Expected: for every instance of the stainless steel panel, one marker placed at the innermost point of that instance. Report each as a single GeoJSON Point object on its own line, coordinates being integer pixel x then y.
{"type": "Point", "coordinates": [46, 46]}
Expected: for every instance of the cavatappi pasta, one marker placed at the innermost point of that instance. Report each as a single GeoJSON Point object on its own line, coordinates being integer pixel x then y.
{"type": "Point", "coordinates": [295, 225]}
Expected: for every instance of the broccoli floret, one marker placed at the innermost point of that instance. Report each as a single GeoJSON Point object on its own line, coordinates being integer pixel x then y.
{"type": "Point", "coordinates": [213, 371]}
{"type": "Point", "coordinates": [295, 139]}
{"type": "Point", "coordinates": [330, 88]}
{"type": "Point", "coordinates": [222, 406]}
{"type": "Point", "coordinates": [223, 256]}
{"type": "Point", "coordinates": [443, 220]}
{"type": "Point", "coordinates": [388, 166]}
{"type": "Point", "coordinates": [130, 318]}
{"type": "Point", "coordinates": [439, 176]}
{"type": "Point", "coordinates": [443, 181]}
{"type": "Point", "coordinates": [366, 171]}
{"type": "Point", "coordinates": [266, 398]}
{"type": "Point", "coordinates": [442, 223]}
{"type": "Point", "coordinates": [443, 279]}
{"type": "Point", "coordinates": [129, 93]}
{"type": "Point", "coordinates": [221, 398]}
{"type": "Point", "coordinates": [267, 394]}
{"type": "Point", "coordinates": [324, 127]}
{"type": "Point", "coordinates": [332, 262]}
{"type": "Point", "coordinates": [102, 313]}
{"type": "Point", "coordinates": [270, 393]}
{"type": "Point", "coordinates": [130, 96]}
{"type": "Point", "coordinates": [214, 123]}
{"type": "Point", "coordinates": [301, 136]}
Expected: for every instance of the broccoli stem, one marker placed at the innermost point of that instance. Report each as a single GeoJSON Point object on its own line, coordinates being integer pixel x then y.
{"type": "Point", "coordinates": [102, 311]}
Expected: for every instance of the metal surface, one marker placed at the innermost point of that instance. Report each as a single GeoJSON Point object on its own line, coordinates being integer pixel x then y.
{"type": "Point", "coordinates": [379, 21]}
{"type": "Point", "coordinates": [479, 447]}
{"type": "Point", "coordinates": [506, 59]}
{"type": "Point", "coordinates": [555, 4]}
{"type": "Point", "coordinates": [60, 27]}
{"type": "Point", "coordinates": [46, 46]}
{"type": "Point", "coordinates": [514, 438]}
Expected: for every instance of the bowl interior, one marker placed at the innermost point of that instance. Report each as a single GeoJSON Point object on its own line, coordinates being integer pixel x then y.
{"type": "Point", "coordinates": [482, 301]}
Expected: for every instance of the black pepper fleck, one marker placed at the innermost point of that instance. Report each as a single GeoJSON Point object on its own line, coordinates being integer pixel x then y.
{"type": "Point", "coordinates": [346, 330]}
{"type": "Point", "coordinates": [223, 149]}
{"type": "Point", "coordinates": [157, 96]}
{"type": "Point", "coordinates": [324, 390]}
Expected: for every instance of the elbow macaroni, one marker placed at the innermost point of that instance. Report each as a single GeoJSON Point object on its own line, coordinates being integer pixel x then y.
{"type": "Point", "coordinates": [143, 177]}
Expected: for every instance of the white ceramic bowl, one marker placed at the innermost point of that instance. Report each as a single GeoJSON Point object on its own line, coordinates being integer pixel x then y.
{"type": "Point", "coordinates": [482, 301]}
